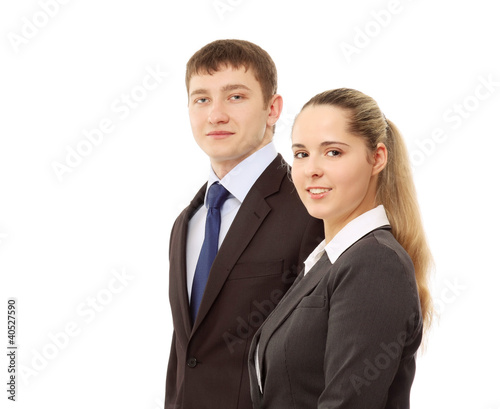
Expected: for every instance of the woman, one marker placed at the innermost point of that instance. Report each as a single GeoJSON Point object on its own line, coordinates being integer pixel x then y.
{"type": "Point", "coordinates": [346, 333]}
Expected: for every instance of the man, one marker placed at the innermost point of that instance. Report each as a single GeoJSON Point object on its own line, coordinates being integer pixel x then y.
{"type": "Point", "coordinates": [219, 297]}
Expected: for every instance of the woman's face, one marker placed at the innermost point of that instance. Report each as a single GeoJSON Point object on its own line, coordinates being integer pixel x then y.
{"type": "Point", "coordinates": [333, 171]}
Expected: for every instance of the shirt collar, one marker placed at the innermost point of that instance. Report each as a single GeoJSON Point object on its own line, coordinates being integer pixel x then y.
{"type": "Point", "coordinates": [350, 234]}
{"type": "Point", "coordinates": [243, 176]}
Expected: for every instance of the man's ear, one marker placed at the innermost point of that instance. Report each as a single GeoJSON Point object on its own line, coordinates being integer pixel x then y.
{"type": "Point", "coordinates": [379, 159]}
{"type": "Point", "coordinates": [275, 108]}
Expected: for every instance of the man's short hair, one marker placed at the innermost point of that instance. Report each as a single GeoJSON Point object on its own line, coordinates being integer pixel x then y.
{"type": "Point", "coordinates": [235, 53]}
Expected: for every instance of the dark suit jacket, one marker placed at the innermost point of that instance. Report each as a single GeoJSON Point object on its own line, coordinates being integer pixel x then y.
{"type": "Point", "coordinates": [345, 335]}
{"type": "Point", "coordinates": [257, 262]}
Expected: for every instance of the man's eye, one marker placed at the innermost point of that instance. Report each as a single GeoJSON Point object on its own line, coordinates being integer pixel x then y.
{"type": "Point", "coordinates": [201, 100]}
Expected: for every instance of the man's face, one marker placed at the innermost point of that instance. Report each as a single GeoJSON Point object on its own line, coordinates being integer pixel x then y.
{"type": "Point", "coordinates": [228, 116]}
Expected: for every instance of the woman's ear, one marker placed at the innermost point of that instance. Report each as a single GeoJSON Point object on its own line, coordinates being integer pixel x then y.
{"type": "Point", "coordinates": [379, 159]}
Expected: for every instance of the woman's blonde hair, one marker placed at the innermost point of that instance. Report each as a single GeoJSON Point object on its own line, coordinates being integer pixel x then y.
{"type": "Point", "coordinates": [395, 189]}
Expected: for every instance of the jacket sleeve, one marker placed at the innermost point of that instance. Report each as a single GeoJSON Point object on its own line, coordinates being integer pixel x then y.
{"type": "Point", "coordinates": [171, 384]}
{"type": "Point", "coordinates": [374, 330]}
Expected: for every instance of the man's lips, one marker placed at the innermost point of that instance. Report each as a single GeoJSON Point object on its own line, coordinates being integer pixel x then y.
{"type": "Point", "coordinates": [219, 134]}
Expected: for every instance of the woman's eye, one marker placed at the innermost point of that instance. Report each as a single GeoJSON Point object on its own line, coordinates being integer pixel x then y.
{"type": "Point", "coordinates": [300, 155]}
{"type": "Point", "coordinates": [333, 153]}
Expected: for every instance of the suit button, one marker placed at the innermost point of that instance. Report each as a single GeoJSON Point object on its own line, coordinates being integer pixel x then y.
{"type": "Point", "coordinates": [192, 362]}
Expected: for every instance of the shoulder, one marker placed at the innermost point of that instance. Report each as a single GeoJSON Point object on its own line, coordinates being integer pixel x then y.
{"type": "Point", "coordinates": [272, 178]}
{"type": "Point", "coordinates": [187, 213]}
{"type": "Point", "coordinates": [376, 275]}
{"type": "Point", "coordinates": [379, 249]}
{"type": "Point", "coordinates": [276, 186]}
{"type": "Point", "coordinates": [378, 261]}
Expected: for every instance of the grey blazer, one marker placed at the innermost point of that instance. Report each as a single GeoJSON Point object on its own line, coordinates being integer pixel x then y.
{"type": "Point", "coordinates": [345, 335]}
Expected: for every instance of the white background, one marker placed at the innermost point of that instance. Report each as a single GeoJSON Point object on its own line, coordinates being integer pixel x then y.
{"type": "Point", "coordinates": [61, 240]}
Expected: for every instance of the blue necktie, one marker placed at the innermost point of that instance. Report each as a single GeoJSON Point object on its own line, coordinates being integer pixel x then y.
{"type": "Point", "coordinates": [217, 195]}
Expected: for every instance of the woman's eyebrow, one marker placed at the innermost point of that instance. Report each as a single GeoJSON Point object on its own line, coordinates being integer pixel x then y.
{"type": "Point", "coordinates": [325, 143]}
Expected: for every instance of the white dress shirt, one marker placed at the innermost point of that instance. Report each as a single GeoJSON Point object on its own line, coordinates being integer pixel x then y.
{"type": "Point", "coordinates": [238, 182]}
{"type": "Point", "coordinates": [345, 238]}
{"type": "Point", "coordinates": [350, 234]}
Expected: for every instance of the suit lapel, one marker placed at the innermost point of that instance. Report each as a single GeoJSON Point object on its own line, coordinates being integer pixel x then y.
{"type": "Point", "coordinates": [178, 287]}
{"type": "Point", "coordinates": [300, 288]}
{"type": "Point", "coordinates": [251, 214]}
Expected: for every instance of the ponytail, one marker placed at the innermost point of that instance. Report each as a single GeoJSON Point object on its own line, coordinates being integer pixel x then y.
{"type": "Point", "coordinates": [396, 191]}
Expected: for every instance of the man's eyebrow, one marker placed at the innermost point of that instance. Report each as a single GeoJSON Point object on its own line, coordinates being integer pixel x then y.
{"type": "Point", "coordinates": [225, 88]}
{"type": "Point", "coordinates": [198, 92]}
{"type": "Point", "coordinates": [232, 87]}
